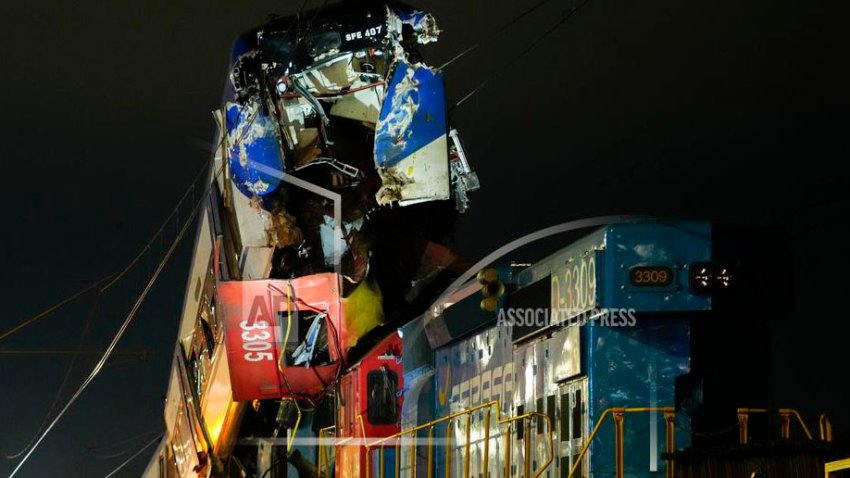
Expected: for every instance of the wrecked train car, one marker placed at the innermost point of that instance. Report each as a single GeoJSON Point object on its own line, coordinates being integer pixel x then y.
{"type": "Point", "coordinates": [334, 191]}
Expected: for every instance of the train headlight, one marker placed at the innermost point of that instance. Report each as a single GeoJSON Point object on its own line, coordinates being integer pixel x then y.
{"type": "Point", "coordinates": [700, 277]}
{"type": "Point", "coordinates": [708, 277]}
{"type": "Point", "coordinates": [724, 277]}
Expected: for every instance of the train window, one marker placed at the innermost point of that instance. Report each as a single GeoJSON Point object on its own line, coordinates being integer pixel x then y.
{"type": "Point", "coordinates": [321, 43]}
{"type": "Point", "coordinates": [381, 387]}
{"type": "Point", "coordinates": [539, 417]}
{"type": "Point", "coordinates": [581, 468]}
{"type": "Point", "coordinates": [565, 416]}
{"type": "Point", "coordinates": [565, 467]}
{"type": "Point", "coordinates": [577, 414]}
{"type": "Point", "coordinates": [550, 411]}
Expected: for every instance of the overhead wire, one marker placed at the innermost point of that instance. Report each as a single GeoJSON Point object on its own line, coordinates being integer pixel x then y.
{"type": "Point", "coordinates": [128, 319]}
{"type": "Point", "coordinates": [62, 384]}
{"type": "Point", "coordinates": [189, 191]}
{"type": "Point", "coordinates": [566, 16]}
{"type": "Point", "coordinates": [495, 32]}
{"type": "Point", "coordinates": [103, 284]}
{"type": "Point", "coordinates": [133, 457]}
{"type": "Point", "coordinates": [110, 280]}
{"type": "Point", "coordinates": [98, 452]}
{"type": "Point", "coordinates": [53, 308]}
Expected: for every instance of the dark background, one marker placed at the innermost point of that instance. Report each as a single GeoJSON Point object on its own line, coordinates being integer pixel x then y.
{"type": "Point", "coordinates": [724, 110]}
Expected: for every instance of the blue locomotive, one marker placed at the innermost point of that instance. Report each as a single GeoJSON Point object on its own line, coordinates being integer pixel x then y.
{"type": "Point", "coordinates": [607, 358]}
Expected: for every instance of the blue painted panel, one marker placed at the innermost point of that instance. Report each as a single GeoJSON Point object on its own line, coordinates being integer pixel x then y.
{"type": "Point", "coordinates": [413, 113]}
{"type": "Point", "coordinates": [673, 244]}
{"type": "Point", "coordinates": [635, 367]}
{"type": "Point", "coordinates": [375, 463]}
{"type": "Point", "coordinates": [254, 155]}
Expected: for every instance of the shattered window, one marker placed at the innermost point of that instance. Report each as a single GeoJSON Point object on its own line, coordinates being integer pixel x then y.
{"type": "Point", "coordinates": [277, 47]}
{"type": "Point", "coordinates": [321, 43]}
{"type": "Point", "coordinates": [382, 407]}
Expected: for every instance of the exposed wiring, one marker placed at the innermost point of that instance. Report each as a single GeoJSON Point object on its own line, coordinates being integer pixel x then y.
{"type": "Point", "coordinates": [295, 428]}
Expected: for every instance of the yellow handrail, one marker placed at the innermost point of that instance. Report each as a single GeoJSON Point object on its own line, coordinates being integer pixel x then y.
{"type": "Point", "coordinates": [785, 431]}
{"type": "Point", "coordinates": [831, 467]}
{"type": "Point", "coordinates": [323, 456]}
{"type": "Point", "coordinates": [825, 428]}
{"type": "Point", "coordinates": [396, 438]}
{"type": "Point", "coordinates": [618, 415]}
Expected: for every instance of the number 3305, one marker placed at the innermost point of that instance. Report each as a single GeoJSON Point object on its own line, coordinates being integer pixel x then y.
{"type": "Point", "coordinates": [255, 341]}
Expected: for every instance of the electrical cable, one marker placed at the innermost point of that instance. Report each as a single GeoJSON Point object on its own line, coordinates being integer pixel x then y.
{"type": "Point", "coordinates": [93, 450]}
{"type": "Point", "coordinates": [131, 458]}
{"type": "Point", "coordinates": [56, 306]}
{"type": "Point", "coordinates": [128, 319]}
{"type": "Point", "coordinates": [62, 384]}
{"type": "Point", "coordinates": [156, 235]}
{"type": "Point", "coordinates": [494, 33]}
{"type": "Point", "coordinates": [506, 66]}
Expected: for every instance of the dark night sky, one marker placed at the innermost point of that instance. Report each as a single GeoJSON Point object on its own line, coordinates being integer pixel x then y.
{"type": "Point", "coordinates": [725, 110]}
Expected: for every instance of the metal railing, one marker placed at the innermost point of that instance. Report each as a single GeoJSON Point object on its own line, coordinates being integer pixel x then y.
{"type": "Point", "coordinates": [785, 415]}
{"type": "Point", "coordinates": [825, 428]}
{"type": "Point", "coordinates": [831, 468]}
{"type": "Point", "coordinates": [396, 441]}
{"type": "Point", "coordinates": [618, 415]}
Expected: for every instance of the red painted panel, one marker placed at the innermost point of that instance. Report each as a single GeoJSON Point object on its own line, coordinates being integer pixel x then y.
{"type": "Point", "coordinates": [254, 335]}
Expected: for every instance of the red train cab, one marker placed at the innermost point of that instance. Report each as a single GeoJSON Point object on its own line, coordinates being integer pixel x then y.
{"type": "Point", "coordinates": [263, 321]}
{"type": "Point", "coordinates": [369, 405]}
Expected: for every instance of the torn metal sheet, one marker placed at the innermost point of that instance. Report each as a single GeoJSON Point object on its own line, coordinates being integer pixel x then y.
{"type": "Point", "coordinates": [424, 24]}
{"type": "Point", "coordinates": [252, 221]}
{"type": "Point", "coordinates": [464, 179]}
{"type": "Point", "coordinates": [331, 236]}
{"type": "Point", "coordinates": [411, 150]}
{"type": "Point", "coordinates": [252, 139]}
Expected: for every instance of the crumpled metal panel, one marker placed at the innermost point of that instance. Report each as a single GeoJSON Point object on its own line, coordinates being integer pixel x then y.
{"type": "Point", "coordinates": [424, 24]}
{"type": "Point", "coordinates": [254, 335]}
{"type": "Point", "coordinates": [254, 154]}
{"type": "Point", "coordinates": [411, 145]}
